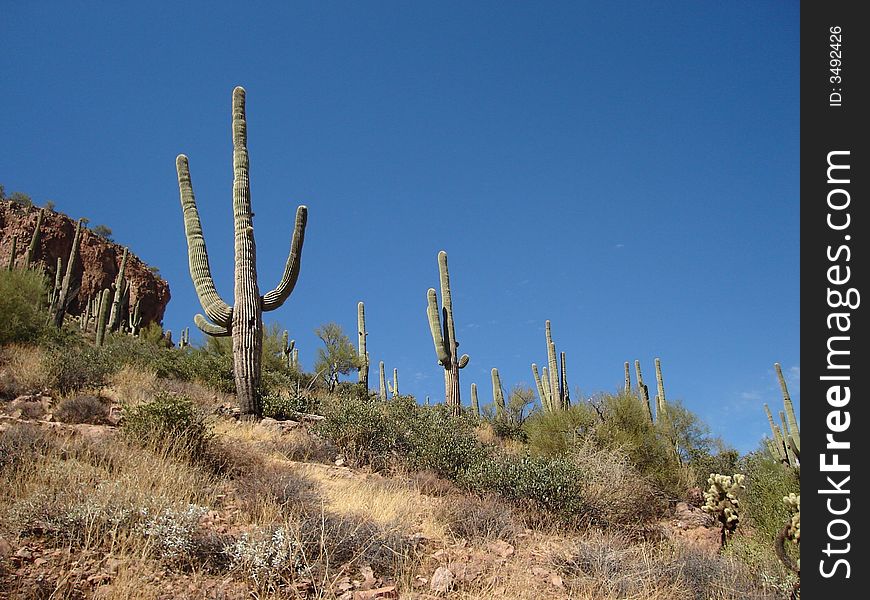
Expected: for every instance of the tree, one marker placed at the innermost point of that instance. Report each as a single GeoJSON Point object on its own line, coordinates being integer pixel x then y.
{"type": "Point", "coordinates": [520, 398]}
{"type": "Point", "coordinates": [338, 356]}
{"type": "Point", "coordinates": [20, 198]}
{"type": "Point", "coordinates": [103, 231]}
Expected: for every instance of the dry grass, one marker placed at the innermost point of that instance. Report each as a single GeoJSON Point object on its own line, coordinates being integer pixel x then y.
{"type": "Point", "coordinates": [22, 370]}
{"type": "Point", "coordinates": [132, 386]}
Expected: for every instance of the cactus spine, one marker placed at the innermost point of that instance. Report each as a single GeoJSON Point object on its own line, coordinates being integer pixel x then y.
{"type": "Point", "coordinates": [475, 404]}
{"type": "Point", "coordinates": [244, 320]}
{"type": "Point", "coordinates": [363, 369]}
{"type": "Point", "coordinates": [444, 336]}
{"type": "Point", "coordinates": [63, 297]}
{"type": "Point", "coordinates": [382, 392]}
{"type": "Point", "coordinates": [103, 316]}
{"type": "Point", "coordinates": [497, 394]}
{"type": "Point", "coordinates": [119, 288]}
{"type": "Point", "coordinates": [34, 240]}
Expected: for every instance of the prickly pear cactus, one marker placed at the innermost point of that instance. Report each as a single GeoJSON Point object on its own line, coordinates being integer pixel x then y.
{"type": "Point", "coordinates": [721, 500]}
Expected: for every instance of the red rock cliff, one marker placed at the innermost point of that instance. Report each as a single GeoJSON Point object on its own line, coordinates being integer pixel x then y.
{"type": "Point", "coordinates": [98, 261]}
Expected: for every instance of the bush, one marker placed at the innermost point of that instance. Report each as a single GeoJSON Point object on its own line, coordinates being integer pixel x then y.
{"type": "Point", "coordinates": [552, 433]}
{"type": "Point", "coordinates": [22, 296]}
{"type": "Point", "coordinates": [73, 367]}
{"type": "Point", "coordinates": [82, 409]}
{"type": "Point", "coordinates": [286, 406]}
{"type": "Point", "coordinates": [169, 421]}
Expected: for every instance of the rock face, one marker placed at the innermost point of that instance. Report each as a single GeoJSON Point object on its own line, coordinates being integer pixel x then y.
{"type": "Point", "coordinates": [97, 265]}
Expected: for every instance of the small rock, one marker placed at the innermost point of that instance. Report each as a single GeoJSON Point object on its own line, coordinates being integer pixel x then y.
{"type": "Point", "coordinates": [339, 462]}
{"type": "Point", "coordinates": [24, 554]}
{"type": "Point", "coordinates": [385, 593]}
{"type": "Point", "coordinates": [501, 548]}
{"type": "Point", "coordinates": [442, 580]}
{"type": "Point", "coordinates": [5, 548]}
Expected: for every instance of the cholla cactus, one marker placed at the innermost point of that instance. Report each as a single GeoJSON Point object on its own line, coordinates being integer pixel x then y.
{"type": "Point", "coordinates": [722, 502]}
{"type": "Point", "coordinates": [791, 533]}
{"type": "Point", "coordinates": [243, 320]}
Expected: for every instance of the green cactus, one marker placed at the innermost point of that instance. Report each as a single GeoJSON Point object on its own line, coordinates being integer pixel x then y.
{"type": "Point", "coordinates": [394, 386]}
{"type": "Point", "coordinates": [426, 402]}
{"type": "Point", "coordinates": [786, 443]}
{"type": "Point", "coordinates": [627, 379]}
{"type": "Point", "coordinates": [11, 264]}
{"type": "Point", "coordinates": [63, 297]}
{"type": "Point", "coordinates": [85, 317]}
{"type": "Point", "coordinates": [134, 320]}
{"type": "Point", "coordinates": [34, 240]}
{"type": "Point", "coordinates": [119, 289]}
{"type": "Point", "coordinates": [662, 411]}
{"type": "Point", "coordinates": [643, 391]}
{"type": "Point", "coordinates": [444, 337]}
{"type": "Point", "coordinates": [722, 501]}
{"type": "Point", "coordinates": [363, 357]}
{"type": "Point", "coordinates": [475, 404]}
{"type": "Point", "coordinates": [288, 347]}
{"type": "Point", "coordinates": [103, 316]}
{"type": "Point", "coordinates": [382, 392]}
{"type": "Point", "coordinates": [184, 338]}
{"type": "Point", "coordinates": [294, 358]}
{"type": "Point", "coordinates": [244, 320]}
{"type": "Point", "coordinates": [790, 533]}
{"type": "Point", "coordinates": [497, 394]}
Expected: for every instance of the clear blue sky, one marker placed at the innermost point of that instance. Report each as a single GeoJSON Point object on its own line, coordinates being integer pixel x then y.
{"type": "Point", "coordinates": [628, 170]}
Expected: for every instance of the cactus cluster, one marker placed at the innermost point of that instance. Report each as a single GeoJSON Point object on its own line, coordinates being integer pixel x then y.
{"type": "Point", "coordinates": [244, 319]}
{"type": "Point", "coordinates": [62, 295]}
{"type": "Point", "coordinates": [786, 443]}
{"type": "Point", "coordinates": [441, 325]}
{"type": "Point", "coordinates": [721, 500]}
{"type": "Point", "coordinates": [552, 384]}
{"type": "Point", "coordinates": [642, 389]}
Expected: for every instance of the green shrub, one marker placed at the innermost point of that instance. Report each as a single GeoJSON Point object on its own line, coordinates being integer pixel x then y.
{"type": "Point", "coordinates": [169, 421]}
{"type": "Point", "coordinates": [286, 406]}
{"type": "Point", "coordinates": [767, 482]}
{"type": "Point", "coordinates": [22, 298]}
{"type": "Point", "coordinates": [553, 433]}
{"type": "Point", "coordinates": [73, 367]}
{"type": "Point", "coordinates": [509, 429]}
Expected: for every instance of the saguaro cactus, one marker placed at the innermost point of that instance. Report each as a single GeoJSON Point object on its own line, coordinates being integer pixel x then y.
{"type": "Point", "coordinates": [662, 411]}
{"type": "Point", "coordinates": [786, 444]}
{"type": "Point", "coordinates": [444, 337]}
{"type": "Point", "coordinates": [497, 394]}
{"type": "Point", "coordinates": [103, 316]}
{"type": "Point", "coordinates": [394, 387]}
{"type": "Point", "coordinates": [475, 404]}
{"type": "Point", "coordinates": [382, 392]}
{"type": "Point", "coordinates": [643, 391]}
{"type": "Point", "coordinates": [63, 296]}
{"type": "Point", "coordinates": [363, 369]}
{"type": "Point", "coordinates": [34, 240]}
{"type": "Point", "coordinates": [118, 288]}
{"type": "Point", "coordinates": [184, 338]}
{"type": "Point", "coordinates": [627, 379]}
{"type": "Point", "coordinates": [244, 320]}
{"type": "Point", "coordinates": [12, 251]}
{"type": "Point", "coordinates": [135, 320]}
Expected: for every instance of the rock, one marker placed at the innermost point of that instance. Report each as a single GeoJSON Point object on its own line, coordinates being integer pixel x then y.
{"type": "Point", "coordinates": [339, 462]}
{"type": "Point", "coordinates": [687, 516]}
{"type": "Point", "coordinates": [442, 580]}
{"type": "Point", "coordinates": [500, 548]}
{"type": "Point", "coordinates": [99, 259]}
{"type": "Point", "coordinates": [387, 592]}
{"type": "Point", "coordinates": [5, 548]}
{"type": "Point", "coordinates": [24, 554]}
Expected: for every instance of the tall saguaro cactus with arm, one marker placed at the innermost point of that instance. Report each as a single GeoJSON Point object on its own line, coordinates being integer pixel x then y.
{"type": "Point", "coordinates": [244, 319]}
{"type": "Point", "coordinates": [444, 336]}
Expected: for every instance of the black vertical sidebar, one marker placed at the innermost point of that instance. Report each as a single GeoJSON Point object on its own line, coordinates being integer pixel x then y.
{"type": "Point", "coordinates": [835, 426]}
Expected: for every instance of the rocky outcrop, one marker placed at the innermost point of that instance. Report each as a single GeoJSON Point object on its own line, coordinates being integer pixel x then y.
{"type": "Point", "coordinates": [98, 264]}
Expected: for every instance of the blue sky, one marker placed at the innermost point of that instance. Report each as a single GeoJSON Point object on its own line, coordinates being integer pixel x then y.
{"type": "Point", "coordinates": [628, 170]}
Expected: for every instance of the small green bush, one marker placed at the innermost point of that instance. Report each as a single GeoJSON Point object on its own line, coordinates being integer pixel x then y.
{"type": "Point", "coordinates": [73, 367]}
{"type": "Point", "coordinates": [553, 433]}
{"type": "Point", "coordinates": [22, 298]}
{"type": "Point", "coordinates": [286, 406]}
{"type": "Point", "coordinates": [169, 421]}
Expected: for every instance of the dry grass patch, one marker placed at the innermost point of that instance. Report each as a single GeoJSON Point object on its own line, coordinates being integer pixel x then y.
{"type": "Point", "coordinates": [132, 385]}
{"type": "Point", "coordinates": [22, 370]}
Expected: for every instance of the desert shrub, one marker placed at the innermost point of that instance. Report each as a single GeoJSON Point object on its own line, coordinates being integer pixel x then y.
{"type": "Point", "coordinates": [551, 433]}
{"type": "Point", "coordinates": [82, 409]}
{"type": "Point", "coordinates": [285, 406]}
{"type": "Point", "coordinates": [22, 297]}
{"type": "Point", "coordinates": [269, 558]}
{"type": "Point", "coordinates": [169, 421]}
{"type": "Point", "coordinates": [302, 445]}
{"type": "Point", "coordinates": [22, 370]}
{"type": "Point", "coordinates": [767, 482]}
{"type": "Point", "coordinates": [509, 429]}
{"type": "Point", "coordinates": [73, 367]}
{"type": "Point", "coordinates": [472, 517]}
{"type": "Point", "coordinates": [22, 443]}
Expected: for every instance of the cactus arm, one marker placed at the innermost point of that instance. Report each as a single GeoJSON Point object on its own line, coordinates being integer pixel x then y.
{"type": "Point", "coordinates": [463, 361]}
{"type": "Point", "coordinates": [210, 329]}
{"type": "Point", "coordinates": [553, 367]}
{"type": "Point", "coordinates": [548, 395]}
{"type": "Point", "coordinates": [778, 441]}
{"type": "Point", "coordinates": [282, 291]}
{"type": "Point", "coordinates": [643, 391]}
{"type": "Point", "coordinates": [214, 306]}
{"type": "Point", "coordinates": [566, 395]}
{"type": "Point", "coordinates": [435, 327]}
{"type": "Point", "coordinates": [540, 387]}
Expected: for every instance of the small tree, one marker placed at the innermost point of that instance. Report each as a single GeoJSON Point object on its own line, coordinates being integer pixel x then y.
{"type": "Point", "coordinates": [338, 356]}
{"type": "Point", "coordinates": [521, 397]}
{"type": "Point", "coordinates": [103, 231]}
